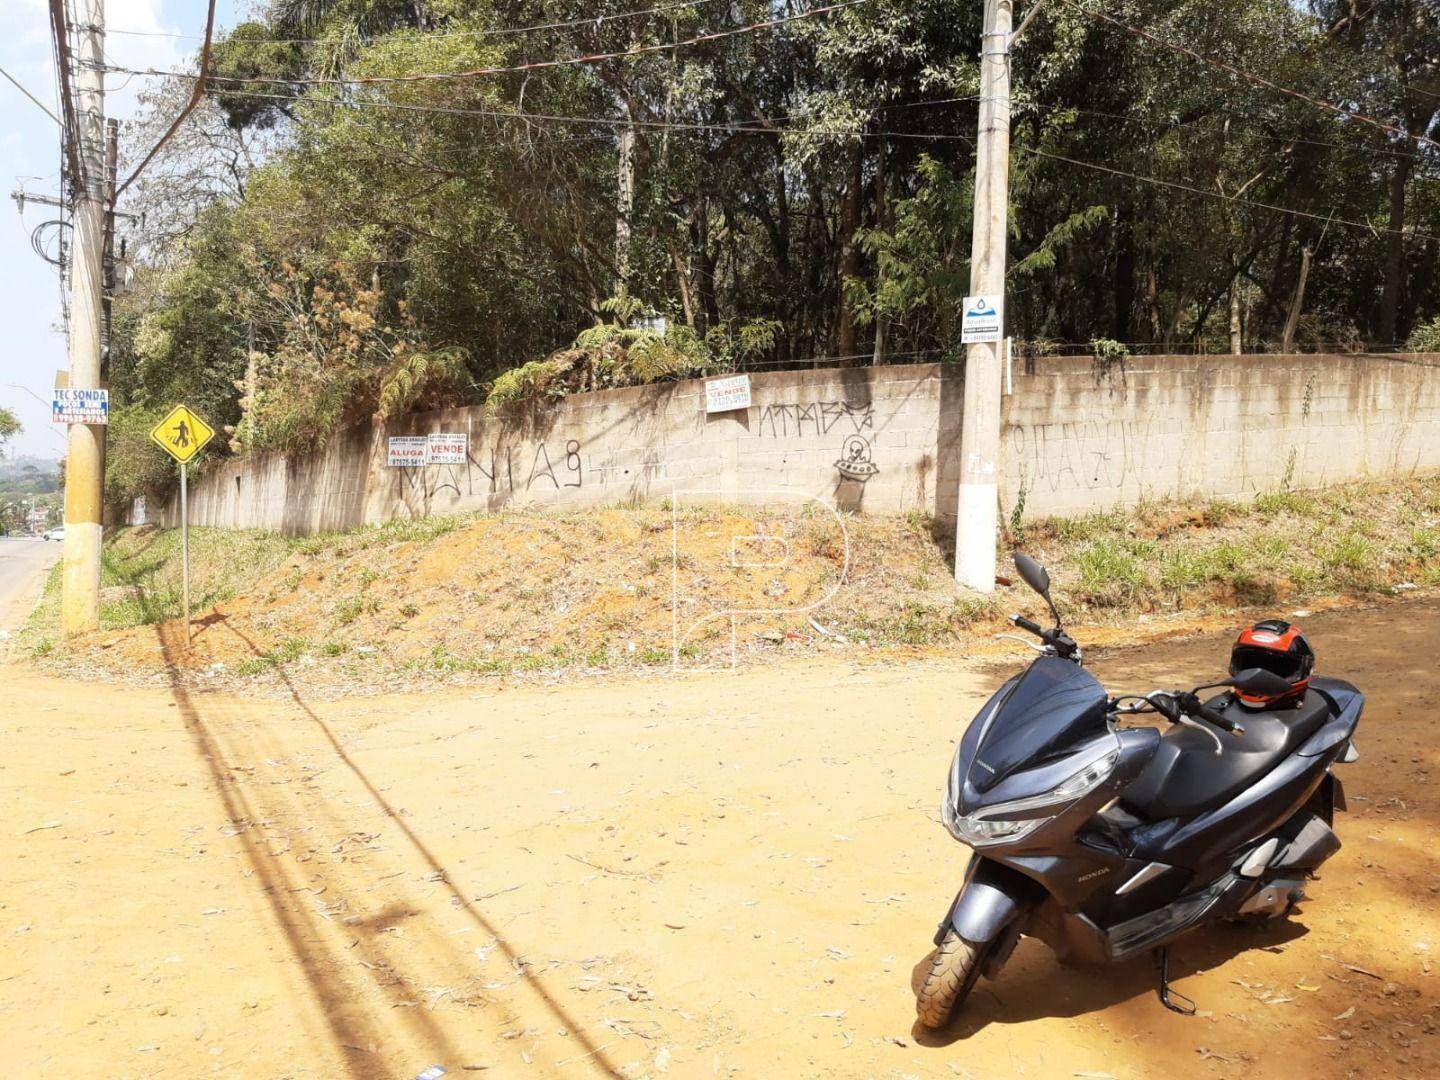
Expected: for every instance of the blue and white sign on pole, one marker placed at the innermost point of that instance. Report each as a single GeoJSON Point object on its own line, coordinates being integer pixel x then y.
{"type": "Point", "coordinates": [983, 319]}
{"type": "Point", "coordinates": [80, 406]}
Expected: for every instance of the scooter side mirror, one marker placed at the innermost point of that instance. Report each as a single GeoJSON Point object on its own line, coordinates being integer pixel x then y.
{"type": "Point", "coordinates": [1034, 574]}
{"type": "Point", "coordinates": [1260, 683]}
{"type": "Point", "coordinates": [1037, 578]}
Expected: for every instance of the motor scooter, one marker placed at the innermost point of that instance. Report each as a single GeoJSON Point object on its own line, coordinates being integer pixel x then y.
{"type": "Point", "coordinates": [1104, 838]}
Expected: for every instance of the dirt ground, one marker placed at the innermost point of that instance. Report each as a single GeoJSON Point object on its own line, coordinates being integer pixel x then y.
{"type": "Point", "coordinates": [730, 874]}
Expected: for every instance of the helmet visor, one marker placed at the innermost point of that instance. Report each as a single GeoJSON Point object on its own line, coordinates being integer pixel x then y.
{"type": "Point", "coordinates": [1284, 664]}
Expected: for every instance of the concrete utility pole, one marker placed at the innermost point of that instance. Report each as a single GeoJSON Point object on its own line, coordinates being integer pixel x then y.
{"type": "Point", "coordinates": [977, 509]}
{"type": "Point", "coordinates": [84, 462]}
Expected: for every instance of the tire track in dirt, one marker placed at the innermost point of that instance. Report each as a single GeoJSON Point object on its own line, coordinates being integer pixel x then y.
{"type": "Point", "coordinates": [420, 961]}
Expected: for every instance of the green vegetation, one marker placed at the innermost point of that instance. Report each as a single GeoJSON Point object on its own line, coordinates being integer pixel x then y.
{"type": "Point", "coordinates": [1112, 569]}
{"type": "Point", "coordinates": [15, 511]}
{"type": "Point", "coordinates": [1425, 338]}
{"type": "Point", "coordinates": [289, 651]}
{"type": "Point", "coordinates": [140, 575]}
{"type": "Point", "coordinates": [801, 191]}
{"type": "Point", "coordinates": [484, 595]}
{"type": "Point", "coordinates": [351, 608]}
{"type": "Point", "coordinates": [9, 426]}
{"type": "Point", "coordinates": [1361, 539]}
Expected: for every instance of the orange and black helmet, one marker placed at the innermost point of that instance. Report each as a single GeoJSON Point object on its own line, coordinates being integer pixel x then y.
{"type": "Point", "coordinates": [1278, 647]}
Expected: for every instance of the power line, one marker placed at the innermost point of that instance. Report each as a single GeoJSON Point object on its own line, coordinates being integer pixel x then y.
{"type": "Point", "coordinates": [592, 58]}
{"type": "Point", "coordinates": [502, 31]}
{"type": "Point", "coordinates": [1258, 80]}
{"type": "Point", "coordinates": [771, 128]}
{"type": "Point", "coordinates": [1282, 138]}
{"type": "Point", "coordinates": [60, 27]}
{"type": "Point", "coordinates": [43, 107]}
{"type": "Point", "coordinates": [767, 126]}
{"type": "Point", "coordinates": [195, 97]}
{"type": "Point", "coordinates": [1178, 185]}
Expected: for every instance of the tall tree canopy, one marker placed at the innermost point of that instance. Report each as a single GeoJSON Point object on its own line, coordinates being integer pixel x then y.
{"type": "Point", "coordinates": [346, 239]}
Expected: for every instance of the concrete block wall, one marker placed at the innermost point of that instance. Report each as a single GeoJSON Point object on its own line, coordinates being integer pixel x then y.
{"type": "Point", "coordinates": [1073, 440]}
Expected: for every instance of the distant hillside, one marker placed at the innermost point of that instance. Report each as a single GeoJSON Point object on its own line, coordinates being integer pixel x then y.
{"type": "Point", "coordinates": [23, 475]}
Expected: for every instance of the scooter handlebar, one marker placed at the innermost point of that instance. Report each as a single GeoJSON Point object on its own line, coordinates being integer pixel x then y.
{"type": "Point", "coordinates": [1221, 721]}
{"type": "Point", "coordinates": [1025, 624]}
{"type": "Point", "coordinates": [1191, 704]}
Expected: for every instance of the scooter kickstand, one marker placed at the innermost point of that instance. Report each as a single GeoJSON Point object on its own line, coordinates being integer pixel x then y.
{"type": "Point", "coordinates": [1171, 999]}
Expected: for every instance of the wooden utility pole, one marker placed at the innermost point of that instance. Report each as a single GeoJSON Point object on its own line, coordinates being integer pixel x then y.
{"type": "Point", "coordinates": [977, 508]}
{"type": "Point", "coordinates": [84, 461]}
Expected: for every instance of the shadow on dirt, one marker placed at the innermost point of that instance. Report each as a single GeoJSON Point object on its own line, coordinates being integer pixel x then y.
{"type": "Point", "coordinates": [300, 928]}
{"type": "Point", "coordinates": [593, 1051]}
{"type": "Point", "coordinates": [1035, 985]}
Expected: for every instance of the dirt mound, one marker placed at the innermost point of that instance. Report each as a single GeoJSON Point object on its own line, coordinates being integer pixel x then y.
{"type": "Point", "coordinates": [624, 589]}
{"type": "Point", "coordinates": [615, 589]}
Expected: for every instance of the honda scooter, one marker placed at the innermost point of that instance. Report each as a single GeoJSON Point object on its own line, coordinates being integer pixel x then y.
{"type": "Point", "coordinates": [1104, 838]}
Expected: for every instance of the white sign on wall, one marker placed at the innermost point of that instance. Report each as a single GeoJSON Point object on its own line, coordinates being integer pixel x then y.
{"type": "Point", "coordinates": [446, 448]}
{"type": "Point", "coordinates": [723, 395]}
{"type": "Point", "coordinates": [407, 451]}
{"type": "Point", "coordinates": [137, 511]}
{"type": "Point", "coordinates": [80, 406]}
{"type": "Point", "coordinates": [982, 319]}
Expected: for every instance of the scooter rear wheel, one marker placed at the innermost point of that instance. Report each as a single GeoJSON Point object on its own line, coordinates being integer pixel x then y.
{"type": "Point", "coordinates": [954, 967]}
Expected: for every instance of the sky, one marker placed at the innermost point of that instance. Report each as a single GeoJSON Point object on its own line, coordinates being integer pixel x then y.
{"type": "Point", "coordinates": [32, 343]}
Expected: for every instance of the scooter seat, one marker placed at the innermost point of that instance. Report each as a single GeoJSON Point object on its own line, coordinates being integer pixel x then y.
{"type": "Point", "coordinates": [1185, 778]}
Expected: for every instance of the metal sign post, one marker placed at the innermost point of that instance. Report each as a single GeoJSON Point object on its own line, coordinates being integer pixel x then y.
{"type": "Point", "coordinates": [182, 435]}
{"type": "Point", "coordinates": [185, 545]}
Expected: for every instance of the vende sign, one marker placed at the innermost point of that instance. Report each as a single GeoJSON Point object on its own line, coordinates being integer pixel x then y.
{"type": "Point", "coordinates": [417, 451]}
{"type": "Point", "coordinates": [407, 451]}
{"type": "Point", "coordinates": [80, 406]}
{"type": "Point", "coordinates": [723, 395]}
{"type": "Point", "coordinates": [445, 448]}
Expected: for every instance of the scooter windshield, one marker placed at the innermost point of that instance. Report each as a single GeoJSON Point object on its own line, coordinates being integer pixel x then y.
{"type": "Point", "coordinates": [1052, 706]}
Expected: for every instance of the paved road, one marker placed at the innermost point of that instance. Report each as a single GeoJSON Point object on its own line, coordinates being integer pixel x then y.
{"type": "Point", "coordinates": [22, 566]}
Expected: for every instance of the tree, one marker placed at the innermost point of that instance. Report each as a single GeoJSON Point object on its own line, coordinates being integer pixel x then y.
{"type": "Point", "coordinates": [1394, 63]}
{"type": "Point", "coordinates": [332, 239]}
{"type": "Point", "coordinates": [9, 426]}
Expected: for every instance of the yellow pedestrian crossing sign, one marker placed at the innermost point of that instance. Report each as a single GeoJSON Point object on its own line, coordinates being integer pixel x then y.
{"type": "Point", "coordinates": [182, 434]}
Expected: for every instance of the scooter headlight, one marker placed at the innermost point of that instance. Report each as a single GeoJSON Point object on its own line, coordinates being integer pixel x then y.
{"type": "Point", "coordinates": [982, 828]}
{"type": "Point", "coordinates": [1087, 779]}
{"type": "Point", "coordinates": [978, 831]}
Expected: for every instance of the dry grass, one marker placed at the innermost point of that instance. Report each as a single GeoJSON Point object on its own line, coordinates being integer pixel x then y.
{"type": "Point", "coordinates": [480, 596]}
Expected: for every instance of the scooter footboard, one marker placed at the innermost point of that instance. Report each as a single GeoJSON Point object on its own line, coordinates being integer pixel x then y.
{"type": "Point", "coordinates": [992, 897]}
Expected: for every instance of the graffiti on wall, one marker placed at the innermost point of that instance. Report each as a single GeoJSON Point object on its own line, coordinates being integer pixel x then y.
{"type": "Point", "coordinates": [856, 459]}
{"type": "Point", "coordinates": [500, 471]}
{"type": "Point", "coordinates": [1076, 454]}
{"type": "Point", "coordinates": [785, 419]}
{"type": "Point", "coordinates": [637, 466]}
{"type": "Point", "coordinates": [794, 419]}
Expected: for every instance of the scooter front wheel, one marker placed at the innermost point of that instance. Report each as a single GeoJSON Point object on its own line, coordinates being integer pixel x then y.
{"type": "Point", "coordinates": [954, 967]}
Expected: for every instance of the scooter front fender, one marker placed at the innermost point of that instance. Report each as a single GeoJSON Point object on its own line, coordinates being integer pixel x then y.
{"type": "Point", "coordinates": [992, 897]}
